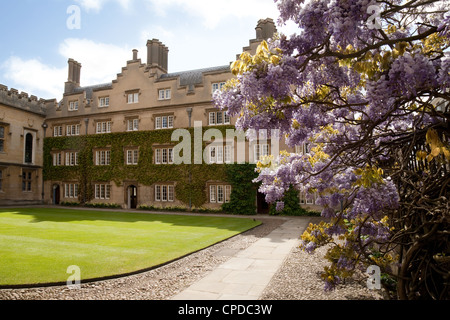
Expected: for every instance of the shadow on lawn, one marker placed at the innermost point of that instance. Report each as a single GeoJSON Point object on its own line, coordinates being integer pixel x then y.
{"type": "Point", "coordinates": [232, 223]}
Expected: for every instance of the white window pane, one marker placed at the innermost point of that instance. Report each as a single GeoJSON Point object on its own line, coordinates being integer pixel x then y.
{"type": "Point", "coordinates": [158, 123]}
{"type": "Point", "coordinates": [164, 193]}
{"type": "Point", "coordinates": [212, 194]}
{"type": "Point", "coordinates": [219, 118]}
{"type": "Point", "coordinates": [212, 155]}
{"type": "Point", "coordinates": [220, 194]}
{"type": "Point", "coordinates": [212, 118]}
{"type": "Point", "coordinates": [170, 121]}
{"type": "Point", "coordinates": [219, 154]}
{"type": "Point", "coordinates": [157, 193]}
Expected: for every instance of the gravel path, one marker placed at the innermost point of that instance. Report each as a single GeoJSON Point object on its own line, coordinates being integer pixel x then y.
{"type": "Point", "coordinates": [299, 277]}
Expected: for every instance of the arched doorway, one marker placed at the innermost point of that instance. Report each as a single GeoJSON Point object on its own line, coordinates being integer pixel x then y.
{"type": "Point", "coordinates": [132, 197]}
{"type": "Point", "coordinates": [56, 194]}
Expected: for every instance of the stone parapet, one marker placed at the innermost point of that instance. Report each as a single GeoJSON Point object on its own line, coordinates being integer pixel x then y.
{"type": "Point", "coordinates": [11, 97]}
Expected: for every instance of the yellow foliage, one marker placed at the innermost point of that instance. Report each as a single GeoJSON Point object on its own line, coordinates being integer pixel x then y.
{"type": "Point", "coordinates": [369, 176]}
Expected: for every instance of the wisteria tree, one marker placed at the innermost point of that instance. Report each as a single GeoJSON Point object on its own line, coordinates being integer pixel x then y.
{"type": "Point", "coordinates": [366, 85]}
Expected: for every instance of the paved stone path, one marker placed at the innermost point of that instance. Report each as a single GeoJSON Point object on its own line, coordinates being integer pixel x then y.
{"type": "Point", "coordinates": [248, 272]}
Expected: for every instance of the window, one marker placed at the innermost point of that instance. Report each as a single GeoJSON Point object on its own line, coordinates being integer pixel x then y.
{"type": "Point", "coordinates": [217, 86]}
{"type": "Point", "coordinates": [220, 154]}
{"type": "Point", "coordinates": [212, 194]}
{"type": "Point", "coordinates": [261, 150]}
{"type": "Point", "coordinates": [103, 158]}
{"type": "Point", "coordinates": [29, 148]}
{"type": "Point", "coordinates": [57, 159]}
{"type": "Point", "coordinates": [2, 139]}
{"type": "Point", "coordinates": [164, 193]}
{"type": "Point", "coordinates": [133, 97]}
{"type": "Point", "coordinates": [104, 127]}
{"type": "Point", "coordinates": [165, 122]}
{"type": "Point", "coordinates": [58, 131]}
{"type": "Point", "coordinates": [1, 180]}
{"type": "Point", "coordinates": [71, 191]}
{"type": "Point", "coordinates": [164, 156]}
{"type": "Point", "coordinates": [157, 193]}
{"type": "Point", "coordinates": [71, 159]}
{"type": "Point", "coordinates": [306, 198]}
{"type": "Point", "coordinates": [219, 118]}
{"type": "Point", "coordinates": [73, 130]}
{"type": "Point", "coordinates": [219, 193]}
{"type": "Point", "coordinates": [102, 191]}
{"type": "Point", "coordinates": [227, 154]}
{"type": "Point", "coordinates": [133, 125]}
{"type": "Point", "coordinates": [73, 105]}
{"type": "Point", "coordinates": [212, 155]}
{"type": "Point", "coordinates": [27, 180]}
{"type": "Point", "coordinates": [132, 157]}
{"type": "Point", "coordinates": [165, 94]}
{"type": "Point", "coordinates": [103, 102]}
{"type": "Point", "coordinates": [303, 149]}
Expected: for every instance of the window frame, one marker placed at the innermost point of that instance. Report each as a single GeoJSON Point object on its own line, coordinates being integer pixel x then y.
{"type": "Point", "coordinates": [104, 102]}
{"type": "Point", "coordinates": [74, 105]}
{"type": "Point", "coordinates": [164, 94]}
{"type": "Point", "coordinates": [103, 158]}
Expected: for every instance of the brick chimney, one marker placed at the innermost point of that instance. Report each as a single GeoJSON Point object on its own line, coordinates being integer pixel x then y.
{"type": "Point", "coordinates": [157, 55]}
{"type": "Point", "coordinates": [73, 80]}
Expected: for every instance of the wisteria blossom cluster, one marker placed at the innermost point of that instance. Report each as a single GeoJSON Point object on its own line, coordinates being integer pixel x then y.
{"type": "Point", "coordinates": [347, 90]}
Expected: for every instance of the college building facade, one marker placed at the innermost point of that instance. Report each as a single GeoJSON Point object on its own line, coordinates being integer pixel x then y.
{"type": "Point", "coordinates": [113, 143]}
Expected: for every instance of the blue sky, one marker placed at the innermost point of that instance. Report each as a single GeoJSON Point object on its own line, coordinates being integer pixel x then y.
{"type": "Point", "coordinates": [36, 41]}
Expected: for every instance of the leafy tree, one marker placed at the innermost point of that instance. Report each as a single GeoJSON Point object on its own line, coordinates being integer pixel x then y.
{"type": "Point", "coordinates": [366, 83]}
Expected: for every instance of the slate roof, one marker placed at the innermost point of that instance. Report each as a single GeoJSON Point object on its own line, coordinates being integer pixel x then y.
{"type": "Point", "coordinates": [194, 77]}
{"type": "Point", "coordinates": [90, 89]}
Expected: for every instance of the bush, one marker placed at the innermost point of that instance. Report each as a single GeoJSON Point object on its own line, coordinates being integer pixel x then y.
{"type": "Point", "coordinates": [292, 206]}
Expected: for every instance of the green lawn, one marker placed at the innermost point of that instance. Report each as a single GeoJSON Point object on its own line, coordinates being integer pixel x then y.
{"type": "Point", "coordinates": [38, 245]}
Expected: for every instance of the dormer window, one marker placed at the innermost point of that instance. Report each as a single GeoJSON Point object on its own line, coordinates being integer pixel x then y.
{"type": "Point", "coordinates": [165, 94]}
{"type": "Point", "coordinates": [73, 106]}
{"type": "Point", "coordinates": [217, 86]}
{"type": "Point", "coordinates": [132, 97]}
{"type": "Point", "coordinates": [103, 102]}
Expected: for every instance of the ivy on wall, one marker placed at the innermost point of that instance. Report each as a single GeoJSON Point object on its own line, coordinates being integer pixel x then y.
{"type": "Point", "coordinates": [145, 173]}
{"type": "Point", "coordinates": [243, 196]}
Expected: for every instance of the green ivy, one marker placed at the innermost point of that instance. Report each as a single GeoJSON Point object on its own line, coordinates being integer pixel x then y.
{"type": "Point", "coordinates": [292, 205]}
{"type": "Point", "coordinates": [243, 196]}
{"type": "Point", "coordinates": [146, 173]}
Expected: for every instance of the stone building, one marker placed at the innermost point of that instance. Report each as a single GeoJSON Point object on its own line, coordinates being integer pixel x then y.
{"type": "Point", "coordinates": [22, 119]}
{"type": "Point", "coordinates": [111, 143]}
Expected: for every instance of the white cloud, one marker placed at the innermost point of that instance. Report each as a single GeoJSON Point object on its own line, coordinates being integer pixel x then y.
{"type": "Point", "coordinates": [101, 64]}
{"type": "Point", "coordinates": [213, 11]}
{"type": "Point", "coordinates": [97, 5]}
{"type": "Point", "coordinates": [34, 77]}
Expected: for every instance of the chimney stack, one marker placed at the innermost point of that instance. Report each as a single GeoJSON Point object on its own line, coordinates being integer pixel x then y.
{"type": "Point", "coordinates": [135, 54]}
{"type": "Point", "coordinates": [73, 80]}
{"type": "Point", "coordinates": [157, 55]}
{"type": "Point", "coordinates": [265, 29]}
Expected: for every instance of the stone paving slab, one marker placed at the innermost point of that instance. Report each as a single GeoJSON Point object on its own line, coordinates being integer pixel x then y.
{"type": "Point", "coordinates": [249, 271]}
